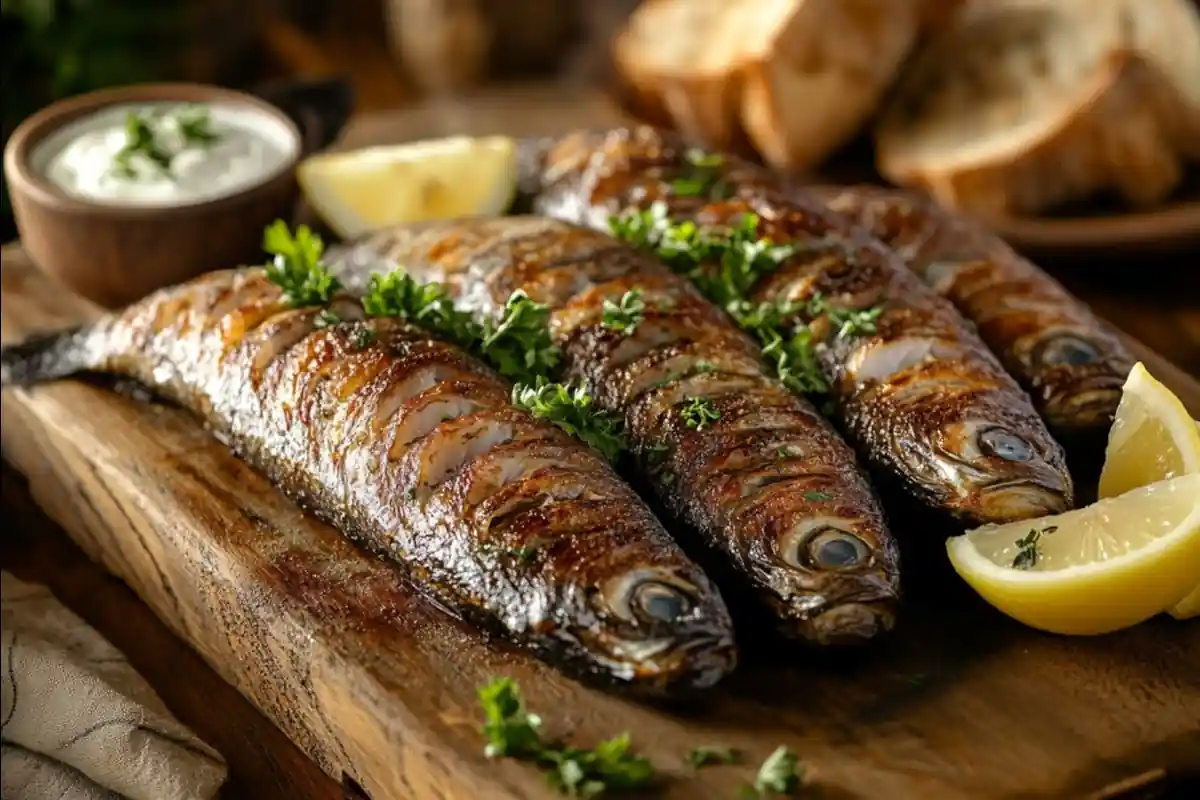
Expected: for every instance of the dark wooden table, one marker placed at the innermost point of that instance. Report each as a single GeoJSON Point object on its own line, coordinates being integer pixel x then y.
{"type": "Point", "coordinates": [1156, 300]}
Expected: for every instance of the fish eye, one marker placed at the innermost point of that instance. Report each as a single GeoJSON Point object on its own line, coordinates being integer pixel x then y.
{"type": "Point", "coordinates": [1004, 444]}
{"type": "Point", "coordinates": [825, 547]}
{"type": "Point", "coordinates": [646, 596]}
{"type": "Point", "coordinates": [1066, 349]}
{"type": "Point", "coordinates": [657, 602]}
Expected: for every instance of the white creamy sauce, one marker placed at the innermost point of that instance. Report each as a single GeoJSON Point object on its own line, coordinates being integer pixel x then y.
{"type": "Point", "coordinates": [82, 158]}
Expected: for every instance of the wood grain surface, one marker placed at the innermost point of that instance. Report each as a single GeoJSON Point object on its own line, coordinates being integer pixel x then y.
{"type": "Point", "coordinates": [374, 683]}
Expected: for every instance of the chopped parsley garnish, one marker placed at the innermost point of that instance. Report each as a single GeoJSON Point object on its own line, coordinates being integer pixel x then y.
{"type": "Point", "coordinates": [573, 410]}
{"type": "Point", "coordinates": [326, 319]}
{"type": "Point", "coordinates": [514, 732]}
{"type": "Point", "coordinates": [296, 267]}
{"type": "Point", "coordinates": [702, 177]}
{"type": "Point", "coordinates": [397, 294]}
{"type": "Point", "coordinates": [143, 137]}
{"type": "Point", "coordinates": [817, 497]}
{"type": "Point", "coordinates": [779, 775]}
{"type": "Point", "coordinates": [698, 413]}
{"type": "Point", "coordinates": [519, 345]}
{"type": "Point", "coordinates": [702, 756]}
{"type": "Point", "coordinates": [362, 337]}
{"type": "Point", "coordinates": [626, 314]}
{"type": "Point", "coordinates": [1027, 548]}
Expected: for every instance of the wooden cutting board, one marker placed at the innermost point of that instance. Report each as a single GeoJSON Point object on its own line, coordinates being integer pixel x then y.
{"type": "Point", "coordinates": [376, 684]}
{"type": "Point", "coordinates": [373, 682]}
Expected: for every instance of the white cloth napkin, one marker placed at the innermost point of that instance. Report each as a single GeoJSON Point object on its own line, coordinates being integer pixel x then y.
{"type": "Point", "coordinates": [78, 721]}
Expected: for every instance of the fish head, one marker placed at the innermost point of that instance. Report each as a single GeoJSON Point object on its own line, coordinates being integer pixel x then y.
{"type": "Point", "coordinates": [662, 624]}
{"type": "Point", "coordinates": [834, 577]}
{"type": "Point", "coordinates": [987, 465]}
{"type": "Point", "coordinates": [1077, 374]}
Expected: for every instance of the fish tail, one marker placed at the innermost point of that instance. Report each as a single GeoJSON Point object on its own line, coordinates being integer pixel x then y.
{"type": "Point", "coordinates": [44, 357]}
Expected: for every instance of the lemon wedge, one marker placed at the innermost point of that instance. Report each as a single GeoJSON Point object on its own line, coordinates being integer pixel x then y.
{"type": "Point", "coordinates": [1093, 570]}
{"type": "Point", "coordinates": [1153, 437]}
{"type": "Point", "coordinates": [362, 190]}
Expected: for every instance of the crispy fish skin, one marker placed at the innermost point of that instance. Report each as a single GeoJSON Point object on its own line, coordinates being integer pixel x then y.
{"type": "Point", "coordinates": [769, 484]}
{"type": "Point", "coordinates": [411, 447]}
{"type": "Point", "coordinates": [923, 399]}
{"type": "Point", "coordinates": [1071, 363]}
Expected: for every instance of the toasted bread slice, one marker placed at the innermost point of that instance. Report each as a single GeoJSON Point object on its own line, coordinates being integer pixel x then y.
{"type": "Point", "coordinates": [798, 77]}
{"type": "Point", "coordinates": [1022, 105]}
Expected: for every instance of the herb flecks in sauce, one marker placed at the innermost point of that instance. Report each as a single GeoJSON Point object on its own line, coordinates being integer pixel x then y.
{"type": "Point", "coordinates": [159, 138]}
{"type": "Point", "coordinates": [705, 756]}
{"type": "Point", "coordinates": [779, 775]}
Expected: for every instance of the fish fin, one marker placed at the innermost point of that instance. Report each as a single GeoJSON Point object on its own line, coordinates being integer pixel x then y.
{"type": "Point", "coordinates": [44, 356]}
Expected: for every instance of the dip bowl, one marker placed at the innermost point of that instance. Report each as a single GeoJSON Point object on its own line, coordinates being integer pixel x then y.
{"type": "Point", "coordinates": [115, 254]}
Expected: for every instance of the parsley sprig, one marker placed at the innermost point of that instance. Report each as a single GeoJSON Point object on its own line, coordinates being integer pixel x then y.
{"type": "Point", "coordinates": [296, 265]}
{"type": "Point", "coordinates": [702, 177]}
{"type": "Point", "coordinates": [519, 344]}
{"type": "Point", "coordinates": [397, 294]}
{"type": "Point", "coordinates": [779, 775]}
{"type": "Point", "coordinates": [725, 263]}
{"type": "Point", "coordinates": [573, 410]}
{"type": "Point", "coordinates": [512, 731]}
{"type": "Point", "coordinates": [626, 314]}
{"type": "Point", "coordinates": [698, 412]}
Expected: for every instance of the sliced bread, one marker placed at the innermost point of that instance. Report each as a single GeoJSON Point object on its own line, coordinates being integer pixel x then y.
{"type": "Point", "coordinates": [1018, 106]}
{"type": "Point", "coordinates": [797, 77]}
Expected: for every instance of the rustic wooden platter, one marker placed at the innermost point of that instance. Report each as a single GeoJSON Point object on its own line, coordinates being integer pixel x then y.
{"type": "Point", "coordinates": [376, 684]}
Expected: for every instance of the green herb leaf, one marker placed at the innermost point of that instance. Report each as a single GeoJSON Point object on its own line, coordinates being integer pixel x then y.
{"type": "Point", "coordinates": [702, 178]}
{"type": "Point", "coordinates": [610, 765]}
{"type": "Point", "coordinates": [296, 267]}
{"type": "Point", "coordinates": [1027, 548]}
{"type": "Point", "coordinates": [362, 337]}
{"type": "Point", "coordinates": [326, 319]}
{"type": "Point", "coordinates": [140, 139]}
{"type": "Point", "coordinates": [778, 775]}
{"type": "Point", "coordinates": [510, 729]}
{"type": "Point", "coordinates": [519, 345]}
{"type": "Point", "coordinates": [817, 497]}
{"type": "Point", "coordinates": [397, 294]}
{"type": "Point", "coordinates": [702, 756]}
{"type": "Point", "coordinates": [195, 126]}
{"type": "Point", "coordinates": [854, 322]}
{"type": "Point", "coordinates": [698, 413]}
{"type": "Point", "coordinates": [626, 314]}
{"type": "Point", "coordinates": [572, 410]}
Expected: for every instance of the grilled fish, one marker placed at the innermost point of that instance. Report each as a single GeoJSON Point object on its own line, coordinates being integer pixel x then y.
{"type": "Point", "coordinates": [411, 447]}
{"type": "Point", "coordinates": [761, 476]}
{"type": "Point", "coordinates": [1069, 361]}
{"type": "Point", "coordinates": [922, 398]}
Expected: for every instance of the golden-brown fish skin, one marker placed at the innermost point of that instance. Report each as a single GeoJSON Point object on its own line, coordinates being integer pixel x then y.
{"type": "Point", "coordinates": [768, 484]}
{"type": "Point", "coordinates": [412, 448]}
{"type": "Point", "coordinates": [1071, 363]}
{"type": "Point", "coordinates": [923, 399]}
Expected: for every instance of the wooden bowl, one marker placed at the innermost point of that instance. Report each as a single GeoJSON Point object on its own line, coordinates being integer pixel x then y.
{"type": "Point", "coordinates": [116, 254]}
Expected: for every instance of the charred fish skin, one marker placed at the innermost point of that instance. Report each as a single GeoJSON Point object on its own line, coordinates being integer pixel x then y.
{"type": "Point", "coordinates": [762, 477]}
{"type": "Point", "coordinates": [411, 447]}
{"type": "Point", "coordinates": [1071, 363]}
{"type": "Point", "coordinates": [922, 398]}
